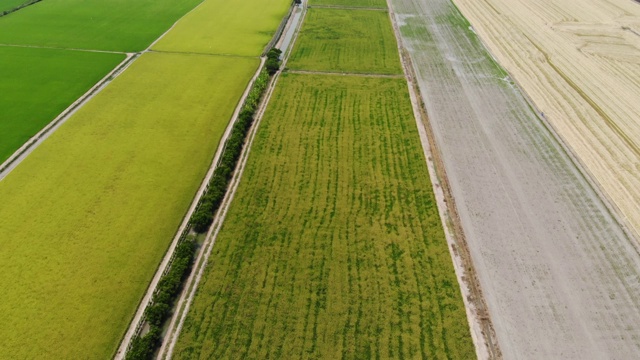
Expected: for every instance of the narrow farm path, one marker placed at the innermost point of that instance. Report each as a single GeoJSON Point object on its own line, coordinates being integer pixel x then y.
{"type": "Point", "coordinates": [387, 76]}
{"type": "Point", "coordinates": [63, 48]}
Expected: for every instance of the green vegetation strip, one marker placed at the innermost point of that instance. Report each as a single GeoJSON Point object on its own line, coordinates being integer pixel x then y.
{"type": "Point", "coordinates": [117, 25]}
{"type": "Point", "coordinates": [337, 40]}
{"type": "Point", "coordinates": [226, 27]}
{"type": "Point", "coordinates": [38, 84]}
{"type": "Point", "coordinates": [86, 218]}
{"type": "Point", "coordinates": [9, 6]}
{"type": "Point", "coordinates": [377, 4]}
{"type": "Point", "coordinates": [333, 247]}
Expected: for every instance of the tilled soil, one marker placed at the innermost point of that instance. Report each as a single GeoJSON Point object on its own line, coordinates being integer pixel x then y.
{"type": "Point", "coordinates": [560, 277]}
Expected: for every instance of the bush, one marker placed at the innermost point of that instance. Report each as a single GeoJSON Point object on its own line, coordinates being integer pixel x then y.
{"type": "Point", "coordinates": [201, 220]}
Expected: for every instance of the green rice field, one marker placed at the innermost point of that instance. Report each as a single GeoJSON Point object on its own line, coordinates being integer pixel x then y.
{"type": "Point", "coordinates": [6, 5]}
{"type": "Point", "coordinates": [38, 84]}
{"type": "Point", "coordinates": [333, 247]}
{"type": "Point", "coordinates": [358, 41]}
{"type": "Point", "coordinates": [226, 27]}
{"type": "Point", "coordinates": [86, 218]}
{"type": "Point", "coordinates": [116, 25]}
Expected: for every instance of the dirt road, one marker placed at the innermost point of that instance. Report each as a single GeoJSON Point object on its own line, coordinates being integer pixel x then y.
{"type": "Point", "coordinates": [560, 277]}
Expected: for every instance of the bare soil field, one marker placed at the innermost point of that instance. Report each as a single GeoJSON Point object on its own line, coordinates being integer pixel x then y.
{"type": "Point", "coordinates": [579, 61]}
{"type": "Point", "coordinates": [560, 277]}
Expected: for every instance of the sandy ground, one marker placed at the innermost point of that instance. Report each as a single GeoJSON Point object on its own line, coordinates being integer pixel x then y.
{"type": "Point", "coordinates": [560, 277]}
{"type": "Point", "coordinates": [579, 61]}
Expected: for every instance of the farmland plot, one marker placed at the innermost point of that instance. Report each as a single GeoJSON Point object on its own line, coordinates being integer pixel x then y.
{"type": "Point", "coordinates": [37, 84]}
{"type": "Point", "coordinates": [378, 4]}
{"type": "Point", "coordinates": [560, 277]}
{"type": "Point", "coordinates": [580, 64]}
{"type": "Point", "coordinates": [226, 27]}
{"type": "Point", "coordinates": [333, 247]}
{"type": "Point", "coordinates": [117, 25]}
{"type": "Point", "coordinates": [341, 41]}
{"type": "Point", "coordinates": [85, 219]}
{"type": "Point", "coordinates": [6, 5]}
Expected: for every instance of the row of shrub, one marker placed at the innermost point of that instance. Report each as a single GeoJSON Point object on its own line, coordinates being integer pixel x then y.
{"type": "Point", "coordinates": [202, 218]}
{"type": "Point", "coordinates": [167, 291]}
{"type": "Point", "coordinates": [144, 347]}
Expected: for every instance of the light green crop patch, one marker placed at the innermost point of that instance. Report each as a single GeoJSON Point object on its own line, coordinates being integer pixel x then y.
{"type": "Point", "coordinates": [38, 84]}
{"type": "Point", "coordinates": [117, 25]}
{"type": "Point", "coordinates": [333, 247]}
{"type": "Point", "coordinates": [359, 41]}
{"type": "Point", "coordinates": [233, 27]}
{"type": "Point", "coordinates": [86, 218]}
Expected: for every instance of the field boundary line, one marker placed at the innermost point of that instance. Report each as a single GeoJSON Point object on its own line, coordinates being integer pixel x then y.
{"type": "Point", "coordinates": [19, 7]}
{"type": "Point", "coordinates": [343, 7]}
{"type": "Point", "coordinates": [480, 325]}
{"type": "Point", "coordinates": [201, 54]}
{"type": "Point", "coordinates": [330, 73]}
{"type": "Point", "coordinates": [19, 155]}
{"type": "Point", "coordinates": [202, 261]}
{"type": "Point", "coordinates": [67, 49]}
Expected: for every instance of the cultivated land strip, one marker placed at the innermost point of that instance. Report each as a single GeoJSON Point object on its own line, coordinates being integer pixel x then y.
{"type": "Point", "coordinates": [328, 73]}
{"type": "Point", "coordinates": [229, 329]}
{"type": "Point", "coordinates": [559, 275]}
{"type": "Point", "coordinates": [200, 264]}
{"type": "Point", "coordinates": [482, 331]}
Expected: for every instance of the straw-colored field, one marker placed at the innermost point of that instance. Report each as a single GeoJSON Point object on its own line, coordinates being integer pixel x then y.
{"type": "Point", "coordinates": [226, 27]}
{"type": "Point", "coordinates": [579, 61]}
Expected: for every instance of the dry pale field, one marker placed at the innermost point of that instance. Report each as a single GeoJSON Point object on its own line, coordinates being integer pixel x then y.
{"type": "Point", "coordinates": [560, 277]}
{"type": "Point", "coordinates": [579, 61]}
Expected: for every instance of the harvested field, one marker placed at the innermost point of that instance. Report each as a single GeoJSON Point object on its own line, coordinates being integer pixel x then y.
{"type": "Point", "coordinates": [333, 247]}
{"type": "Point", "coordinates": [337, 40]}
{"type": "Point", "coordinates": [226, 27]}
{"type": "Point", "coordinates": [117, 25]}
{"type": "Point", "coordinates": [560, 277]}
{"type": "Point", "coordinates": [85, 219]}
{"type": "Point", "coordinates": [37, 84]}
{"type": "Point", "coordinates": [579, 61]}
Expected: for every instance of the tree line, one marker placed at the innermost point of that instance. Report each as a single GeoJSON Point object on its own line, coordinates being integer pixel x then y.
{"type": "Point", "coordinates": [170, 285]}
